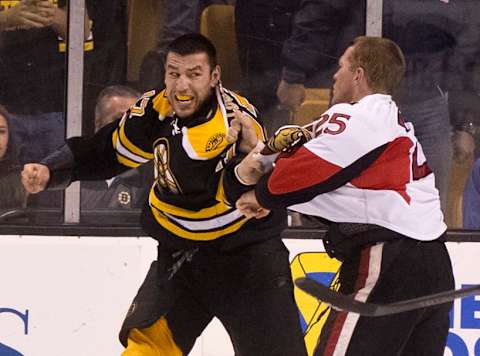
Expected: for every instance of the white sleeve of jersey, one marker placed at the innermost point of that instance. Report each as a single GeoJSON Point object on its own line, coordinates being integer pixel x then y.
{"type": "Point", "coordinates": [347, 132]}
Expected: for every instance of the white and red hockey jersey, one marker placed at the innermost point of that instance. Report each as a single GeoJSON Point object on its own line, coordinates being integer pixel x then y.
{"type": "Point", "coordinates": [364, 165]}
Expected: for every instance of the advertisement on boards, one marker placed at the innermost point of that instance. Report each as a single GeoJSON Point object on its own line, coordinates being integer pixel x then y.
{"type": "Point", "coordinates": [68, 295]}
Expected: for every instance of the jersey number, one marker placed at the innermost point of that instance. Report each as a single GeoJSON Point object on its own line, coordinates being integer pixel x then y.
{"type": "Point", "coordinates": [419, 171]}
{"type": "Point", "coordinates": [139, 108]}
{"type": "Point", "coordinates": [336, 124]}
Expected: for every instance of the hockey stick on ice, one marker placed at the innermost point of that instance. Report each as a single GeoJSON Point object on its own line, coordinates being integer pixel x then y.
{"type": "Point", "coordinates": [347, 303]}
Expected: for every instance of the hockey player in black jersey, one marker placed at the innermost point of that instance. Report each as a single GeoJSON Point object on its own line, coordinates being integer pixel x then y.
{"type": "Point", "coordinates": [212, 260]}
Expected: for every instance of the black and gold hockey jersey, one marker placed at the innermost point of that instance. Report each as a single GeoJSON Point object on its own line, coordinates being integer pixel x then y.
{"type": "Point", "coordinates": [188, 200]}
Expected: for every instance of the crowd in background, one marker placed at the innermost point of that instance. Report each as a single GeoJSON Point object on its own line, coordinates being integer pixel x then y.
{"type": "Point", "coordinates": [285, 47]}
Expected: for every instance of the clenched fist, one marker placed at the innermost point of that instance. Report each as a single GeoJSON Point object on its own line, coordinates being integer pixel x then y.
{"type": "Point", "coordinates": [35, 177]}
{"type": "Point", "coordinates": [249, 206]}
{"type": "Point", "coordinates": [241, 128]}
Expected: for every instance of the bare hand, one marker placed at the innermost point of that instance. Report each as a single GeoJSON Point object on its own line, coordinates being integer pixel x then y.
{"type": "Point", "coordinates": [46, 12]}
{"type": "Point", "coordinates": [251, 169]}
{"type": "Point", "coordinates": [28, 14]}
{"type": "Point", "coordinates": [35, 177]}
{"type": "Point", "coordinates": [463, 146]}
{"type": "Point", "coordinates": [250, 207]}
{"type": "Point", "coordinates": [242, 127]}
{"type": "Point", "coordinates": [291, 95]}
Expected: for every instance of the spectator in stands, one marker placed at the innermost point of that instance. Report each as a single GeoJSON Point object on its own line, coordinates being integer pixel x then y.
{"type": "Point", "coordinates": [181, 17]}
{"type": "Point", "coordinates": [107, 64]}
{"type": "Point", "coordinates": [112, 102]}
{"type": "Point", "coordinates": [471, 199]}
{"type": "Point", "coordinates": [440, 41]}
{"type": "Point", "coordinates": [12, 193]}
{"type": "Point", "coordinates": [286, 45]}
{"type": "Point", "coordinates": [464, 108]}
{"type": "Point", "coordinates": [32, 73]}
{"type": "Point", "coordinates": [128, 190]}
{"type": "Point", "coordinates": [26, 14]}
{"type": "Point", "coordinates": [33, 76]}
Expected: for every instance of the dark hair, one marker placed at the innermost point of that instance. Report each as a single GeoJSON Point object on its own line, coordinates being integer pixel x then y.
{"type": "Point", "coordinates": [192, 43]}
{"type": "Point", "coordinates": [383, 62]}
{"type": "Point", "coordinates": [113, 91]}
{"type": "Point", "coordinates": [11, 190]}
{"type": "Point", "coordinates": [11, 155]}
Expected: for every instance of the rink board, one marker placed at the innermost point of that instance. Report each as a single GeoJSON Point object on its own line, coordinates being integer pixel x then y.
{"type": "Point", "coordinates": [68, 295]}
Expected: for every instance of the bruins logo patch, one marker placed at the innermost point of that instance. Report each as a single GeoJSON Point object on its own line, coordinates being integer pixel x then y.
{"type": "Point", "coordinates": [214, 141]}
{"type": "Point", "coordinates": [124, 197]}
{"type": "Point", "coordinates": [163, 175]}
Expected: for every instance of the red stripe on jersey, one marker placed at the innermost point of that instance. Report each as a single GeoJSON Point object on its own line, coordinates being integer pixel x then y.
{"type": "Point", "coordinates": [391, 171]}
{"type": "Point", "coordinates": [338, 324]}
{"type": "Point", "coordinates": [301, 170]}
{"type": "Point", "coordinates": [335, 333]}
{"type": "Point", "coordinates": [363, 269]}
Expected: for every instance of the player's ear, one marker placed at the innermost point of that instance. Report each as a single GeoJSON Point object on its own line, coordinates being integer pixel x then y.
{"type": "Point", "coordinates": [359, 74]}
{"type": "Point", "coordinates": [215, 77]}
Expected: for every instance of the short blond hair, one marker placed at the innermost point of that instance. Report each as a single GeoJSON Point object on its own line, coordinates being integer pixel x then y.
{"type": "Point", "coordinates": [383, 62]}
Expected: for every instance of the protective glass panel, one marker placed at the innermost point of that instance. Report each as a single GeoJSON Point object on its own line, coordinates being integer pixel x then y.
{"type": "Point", "coordinates": [440, 94]}
{"type": "Point", "coordinates": [32, 91]}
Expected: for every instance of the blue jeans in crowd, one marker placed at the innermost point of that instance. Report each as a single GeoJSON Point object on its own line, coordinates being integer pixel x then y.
{"type": "Point", "coordinates": [471, 199]}
{"type": "Point", "coordinates": [431, 120]}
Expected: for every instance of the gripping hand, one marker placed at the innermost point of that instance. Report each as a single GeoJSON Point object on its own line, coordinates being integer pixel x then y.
{"type": "Point", "coordinates": [28, 14]}
{"type": "Point", "coordinates": [286, 138]}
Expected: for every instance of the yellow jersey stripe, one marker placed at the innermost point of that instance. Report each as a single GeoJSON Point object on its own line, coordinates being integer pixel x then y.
{"type": "Point", "coordinates": [126, 162]}
{"type": "Point", "coordinates": [243, 102]}
{"type": "Point", "coordinates": [205, 213]}
{"type": "Point", "coordinates": [212, 224]}
{"type": "Point", "coordinates": [197, 236]}
{"type": "Point", "coordinates": [121, 158]}
{"type": "Point", "coordinates": [127, 154]}
{"type": "Point", "coordinates": [221, 196]}
{"type": "Point", "coordinates": [87, 46]}
{"type": "Point", "coordinates": [130, 146]}
{"type": "Point", "coordinates": [259, 130]}
{"type": "Point", "coordinates": [114, 139]}
{"type": "Point", "coordinates": [161, 105]}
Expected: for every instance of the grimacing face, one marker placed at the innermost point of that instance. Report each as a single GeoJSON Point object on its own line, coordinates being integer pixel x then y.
{"type": "Point", "coordinates": [3, 136]}
{"type": "Point", "coordinates": [189, 81]}
{"type": "Point", "coordinates": [343, 79]}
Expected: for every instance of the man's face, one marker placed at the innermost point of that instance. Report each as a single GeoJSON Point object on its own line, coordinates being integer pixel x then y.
{"type": "Point", "coordinates": [343, 80]}
{"type": "Point", "coordinates": [3, 136]}
{"type": "Point", "coordinates": [189, 81]}
{"type": "Point", "coordinates": [117, 105]}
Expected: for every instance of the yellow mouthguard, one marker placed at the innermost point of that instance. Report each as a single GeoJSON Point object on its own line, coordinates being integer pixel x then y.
{"type": "Point", "coordinates": [183, 97]}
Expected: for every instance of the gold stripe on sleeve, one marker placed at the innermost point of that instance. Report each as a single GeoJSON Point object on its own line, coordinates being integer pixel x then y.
{"type": "Point", "coordinates": [197, 236]}
{"type": "Point", "coordinates": [130, 146]}
{"type": "Point", "coordinates": [205, 213]}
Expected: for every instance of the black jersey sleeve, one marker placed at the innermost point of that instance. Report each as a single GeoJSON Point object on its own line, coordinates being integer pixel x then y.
{"type": "Point", "coordinates": [123, 144]}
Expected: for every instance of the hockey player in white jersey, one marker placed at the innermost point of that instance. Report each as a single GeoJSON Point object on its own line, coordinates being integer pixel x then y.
{"type": "Point", "coordinates": [365, 174]}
